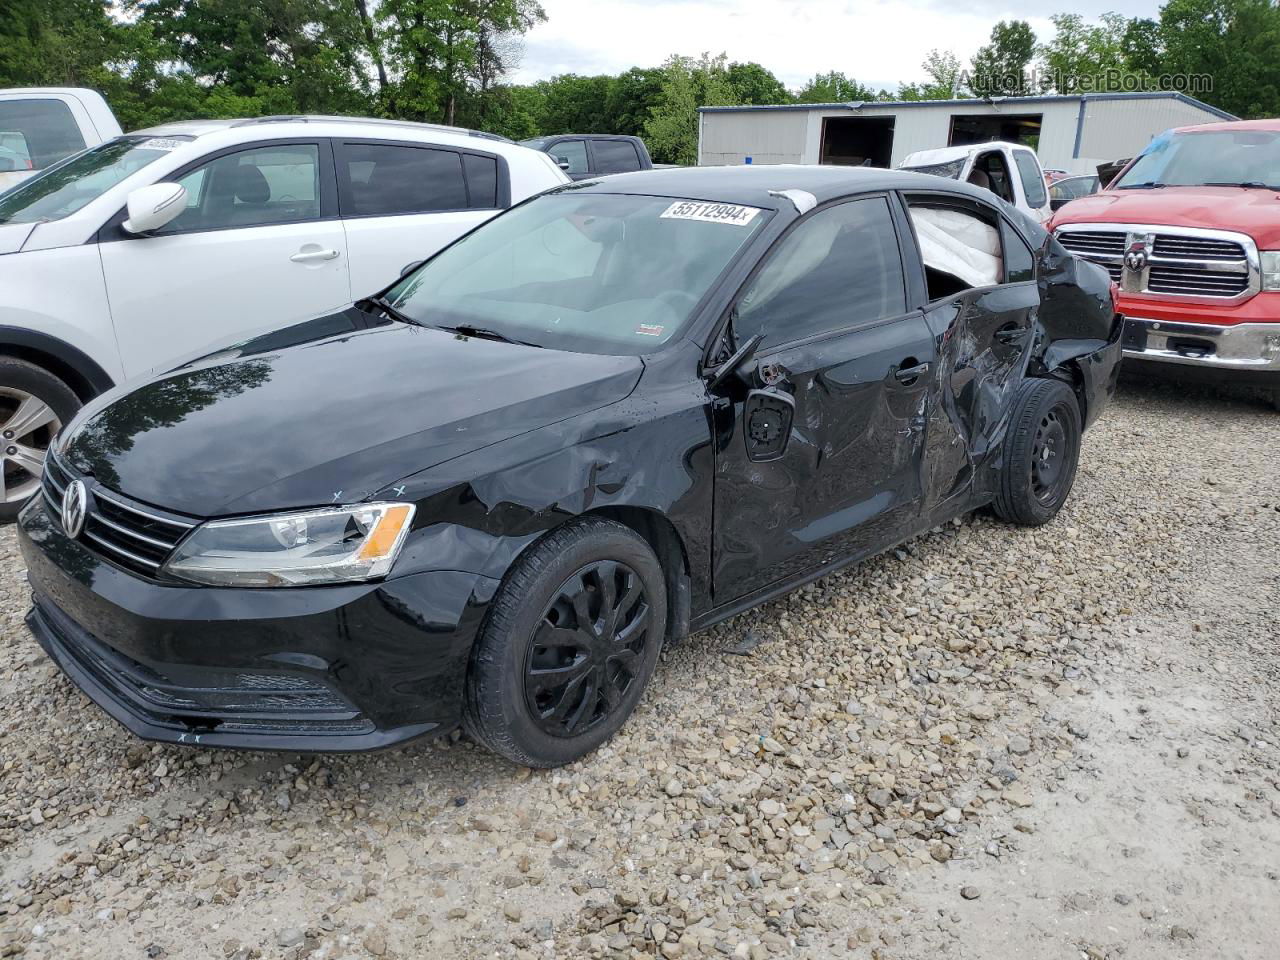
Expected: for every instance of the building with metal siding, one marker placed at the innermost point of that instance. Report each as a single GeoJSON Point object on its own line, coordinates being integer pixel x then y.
{"type": "Point", "coordinates": [1074, 133]}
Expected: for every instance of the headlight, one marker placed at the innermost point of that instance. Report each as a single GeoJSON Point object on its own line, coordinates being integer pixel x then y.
{"type": "Point", "coordinates": [333, 545]}
{"type": "Point", "coordinates": [1271, 270]}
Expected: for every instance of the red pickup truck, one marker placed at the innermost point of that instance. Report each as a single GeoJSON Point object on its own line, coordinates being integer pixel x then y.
{"type": "Point", "coordinates": [1190, 232]}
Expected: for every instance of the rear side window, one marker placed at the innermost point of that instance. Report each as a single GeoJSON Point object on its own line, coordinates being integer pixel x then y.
{"type": "Point", "coordinates": [482, 180]}
{"type": "Point", "coordinates": [839, 268]}
{"type": "Point", "coordinates": [382, 180]}
{"type": "Point", "coordinates": [616, 156]}
{"type": "Point", "coordinates": [1032, 179]}
{"type": "Point", "coordinates": [961, 249]}
{"type": "Point", "coordinates": [46, 130]}
{"type": "Point", "coordinates": [1019, 264]}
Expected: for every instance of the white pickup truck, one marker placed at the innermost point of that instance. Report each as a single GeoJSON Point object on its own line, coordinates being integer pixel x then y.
{"type": "Point", "coordinates": [1009, 170]}
{"type": "Point", "coordinates": [41, 125]}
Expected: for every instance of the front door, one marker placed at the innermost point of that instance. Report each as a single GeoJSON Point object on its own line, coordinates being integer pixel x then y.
{"type": "Point", "coordinates": [255, 248]}
{"type": "Point", "coordinates": [820, 457]}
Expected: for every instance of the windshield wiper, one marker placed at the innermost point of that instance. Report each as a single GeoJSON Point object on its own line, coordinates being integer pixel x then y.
{"type": "Point", "coordinates": [484, 333]}
{"type": "Point", "coordinates": [392, 311]}
{"type": "Point", "coordinates": [1149, 185]}
{"type": "Point", "coordinates": [1247, 184]}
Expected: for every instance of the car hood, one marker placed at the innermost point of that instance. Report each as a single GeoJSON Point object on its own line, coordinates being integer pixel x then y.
{"type": "Point", "coordinates": [1255, 212]}
{"type": "Point", "coordinates": [14, 235]}
{"type": "Point", "coordinates": [331, 411]}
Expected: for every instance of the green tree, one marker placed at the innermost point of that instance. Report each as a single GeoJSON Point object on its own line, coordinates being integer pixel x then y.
{"type": "Point", "coordinates": [1000, 68]}
{"type": "Point", "coordinates": [944, 72]}
{"type": "Point", "coordinates": [631, 98]}
{"type": "Point", "coordinates": [576, 104]}
{"type": "Point", "coordinates": [671, 133]}
{"type": "Point", "coordinates": [834, 87]}
{"type": "Point", "coordinates": [753, 84]}
{"type": "Point", "coordinates": [1087, 57]}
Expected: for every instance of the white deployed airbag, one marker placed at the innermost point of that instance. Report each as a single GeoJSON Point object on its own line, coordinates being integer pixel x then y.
{"type": "Point", "coordinates": [959, 244]}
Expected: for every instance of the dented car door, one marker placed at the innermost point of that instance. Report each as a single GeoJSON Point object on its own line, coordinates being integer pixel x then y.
{"type": "Point", "coordinates": [819, 452]}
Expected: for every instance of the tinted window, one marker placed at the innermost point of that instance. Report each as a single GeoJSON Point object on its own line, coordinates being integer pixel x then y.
{"type": "Point", "coordinates": [1032, 180]}
{"type": "Point", "coordinates": [482, 180]}
{"type": "Point", "coordinates": [839, 268]}
{"type": "Point", "coordinates": [616, 156]}
{"type": "Point", "coordinates": [1073, 187]}
{"type": "Point", "coordinates": [1018, 261]}
{"type": "Point", "coordinates": [48, 130]}
{"type": "Point", "coordinates": [257, 187]}
{"type": "Point", "coordinates": [575, 151]}
{"type": "Point", "coordinates": [382, 180]}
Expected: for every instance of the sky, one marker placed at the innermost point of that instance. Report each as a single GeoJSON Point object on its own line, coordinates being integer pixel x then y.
{"type": "Point", "coordinates": [876, 43]}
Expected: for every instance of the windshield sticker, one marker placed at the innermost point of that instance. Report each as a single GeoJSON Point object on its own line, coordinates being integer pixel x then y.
{"type": "Point", "coordinates": [160, 143]}
{"type": "Point", "coordinates": [731, 213]}
{"type": "Point", "coordinates": [650, 329]}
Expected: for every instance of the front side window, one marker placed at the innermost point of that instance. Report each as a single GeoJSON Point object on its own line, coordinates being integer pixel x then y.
{"type": "Point", "coordinates": [64, 188]}
{"type": "Point", "coordinates": [382, 180]}
{"type": "Point", "coordinates": [572, 151]}
{"type": "Point", "coordinates": [47, 128]}
{"type": "Point", "coordinates": [1072, 188]}
{"type": "Point", "coordinates": [616, 156]}
{"type": "Point", "coordinates": [1032, 181]}
{"type": "Point", "coordinates": [839, 268]}
{"type": "Point", "coordinates": [252, 188]}
{"type": "Point", "coordinates": [592, 273]}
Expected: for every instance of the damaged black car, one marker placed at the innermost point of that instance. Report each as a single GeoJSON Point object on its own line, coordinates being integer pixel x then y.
{"type": "Point", "coordinates": [610, 417]}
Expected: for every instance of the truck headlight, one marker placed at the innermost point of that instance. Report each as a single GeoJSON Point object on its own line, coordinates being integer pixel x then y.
{"type": "Point", "coordinates": [1271, 270]}
{"type": "Point", "coordinates": [332, 545]}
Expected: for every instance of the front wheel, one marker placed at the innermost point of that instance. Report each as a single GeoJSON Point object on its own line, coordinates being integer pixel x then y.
{"type": "Point", "coordinates": [1041, 452]}
{"type": "Point", "coordinates": [34, 404]}
{"type": "Point", "coordinates": [568, 646]}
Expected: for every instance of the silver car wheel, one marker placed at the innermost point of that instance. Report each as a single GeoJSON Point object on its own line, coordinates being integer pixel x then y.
{"type": "Point", "coordinates": [27, 426]}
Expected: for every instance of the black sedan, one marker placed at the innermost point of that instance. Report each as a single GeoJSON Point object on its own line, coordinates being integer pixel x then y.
{"type": "Point", "coordinates": [610, 417]}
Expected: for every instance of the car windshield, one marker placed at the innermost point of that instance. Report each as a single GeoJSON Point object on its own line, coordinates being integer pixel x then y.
{"type": "Point", "coordinates": [591, 273]}
{"type": "Point", "coordinates": [65, 187]}
{"type": "Point", "coordinates": [951, 169]}
{"type": "Point", "coordinates": [1190, 159]}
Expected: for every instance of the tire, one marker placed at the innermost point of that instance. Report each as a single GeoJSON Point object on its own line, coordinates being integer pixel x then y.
{"type": "Point", "coordinates": [547, 704]}
{"type": "Point", "coordinates": [1041, 453]}
{"type": "Point", "coordinates": [43, 403]}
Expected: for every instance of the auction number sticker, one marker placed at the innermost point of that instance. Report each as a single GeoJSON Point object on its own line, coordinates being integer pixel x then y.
{"type": "Point", "coordinates": [731, 213]}
{"type": "Point", "coordinates": [161, 143]}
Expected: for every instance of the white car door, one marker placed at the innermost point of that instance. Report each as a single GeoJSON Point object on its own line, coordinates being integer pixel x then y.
{"type": "Point", "coordinates": [403, 201]}
{"type": "Point", "coordinates": [258, 246]}
{"type": "Point", "coordinates": [1035, 194]}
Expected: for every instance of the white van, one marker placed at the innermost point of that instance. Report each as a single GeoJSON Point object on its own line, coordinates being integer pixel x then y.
{"type": "Point", "coordinates": [155, 245]}
{"type": "Point", "coordinates": [41, 125]}
{"type": "Point", "coordinates": [1009, 170]}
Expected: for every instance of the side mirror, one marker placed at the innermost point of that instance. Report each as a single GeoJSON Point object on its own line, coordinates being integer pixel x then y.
{"type": "Point", "coordinates": [562, 163]}
{"type": "Point", "coordinates": [734, 363]}
{"type": "Point", "coordinates": [408, 268]}
{"type": "Point", "coordinates": [150, 208]}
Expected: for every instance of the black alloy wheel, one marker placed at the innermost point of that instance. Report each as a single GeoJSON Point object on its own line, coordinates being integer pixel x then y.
{"type": "Point", "coordinates": [587, 648]}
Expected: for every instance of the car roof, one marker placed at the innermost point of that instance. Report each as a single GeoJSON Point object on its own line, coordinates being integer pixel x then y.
{"type": "Point", "coordinates": [1269, 125]}
{"type": "Point", "coordinates": [290, 126]}
{"type": "Point", "coordinates": [944, 154]}
{"type": "Point", "coordinates": [757, 185]}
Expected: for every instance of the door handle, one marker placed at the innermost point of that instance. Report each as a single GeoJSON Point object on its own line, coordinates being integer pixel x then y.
{"type": "Point", "coordinates": [909, 375]}
{"type": "Point", "coordinates": [311, 256]}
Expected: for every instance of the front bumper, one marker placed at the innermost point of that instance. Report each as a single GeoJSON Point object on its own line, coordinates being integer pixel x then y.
{"type": "Point", "coordinates": [332, 669]}
{"type": "Point", "coordinates": [1250, 350]}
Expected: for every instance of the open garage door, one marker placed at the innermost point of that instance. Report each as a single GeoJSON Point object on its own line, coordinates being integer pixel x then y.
{"type": "Point", "coordinates": [984, 127]}
{"type": "Point", "coordinates": [857, 141]}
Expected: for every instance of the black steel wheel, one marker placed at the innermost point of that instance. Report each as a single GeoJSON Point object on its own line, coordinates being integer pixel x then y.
{"type": "Point", "coordinates": [568, 645]}
{"type": "Point", "coordinates": [587, 648]}
{"type": "Point", "coordinates": [1041, 453]}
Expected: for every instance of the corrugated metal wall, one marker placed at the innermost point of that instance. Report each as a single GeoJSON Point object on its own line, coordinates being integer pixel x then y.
{"type": "Point", "coordinates": [1112, 129]}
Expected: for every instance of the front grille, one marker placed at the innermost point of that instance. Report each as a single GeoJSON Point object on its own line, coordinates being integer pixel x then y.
{"type": "Point", "coordinates": [1093, 242]}
{"type": "Point", "coordinates": [218, 699]}
{"type": "Point", "coordinates": [133, 535]}
{"type": "Point", "coordinates": [1182, 264]}
{"type": "Point", "coordinates": [1196, 283]}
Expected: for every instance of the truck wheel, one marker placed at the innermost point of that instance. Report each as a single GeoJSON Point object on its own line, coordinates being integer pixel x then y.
{"type": "Point", "coordinates": [1041, 451]}
{"type": "Point", "coordinates": [568, 645]}
{"type": "Point", "coordinates": [34, 404]}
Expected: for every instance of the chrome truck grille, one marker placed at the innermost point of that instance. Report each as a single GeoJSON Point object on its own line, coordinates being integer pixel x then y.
{"type": "Point", "coordinates": [1179, 263]}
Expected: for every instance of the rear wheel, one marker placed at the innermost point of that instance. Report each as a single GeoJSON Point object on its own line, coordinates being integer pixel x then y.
{"type": "Point", "coordinates": [569, 645]}
{"type": "Point", "coordinates": [1041, 452]}
{"type": "Point", "coordinates": [34, 404]}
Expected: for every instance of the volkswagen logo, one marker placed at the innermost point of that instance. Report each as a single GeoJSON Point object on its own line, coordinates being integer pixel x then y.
{"type": "Point", "coordinates": [75, 501]}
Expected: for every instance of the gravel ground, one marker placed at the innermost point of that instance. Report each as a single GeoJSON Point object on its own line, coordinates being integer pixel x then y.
{"type": "Point", "coordinates": [992, 742]}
